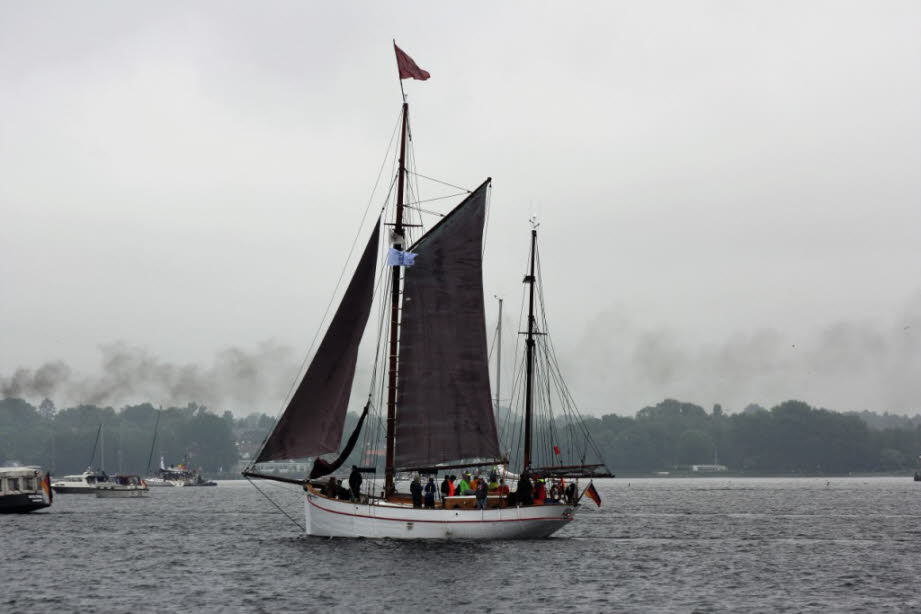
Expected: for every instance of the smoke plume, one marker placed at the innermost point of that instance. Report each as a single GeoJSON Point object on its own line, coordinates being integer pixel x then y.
{"type": "Point", "coordinates": [620, 366]}
{"type": "Point", "coordinates": [237, 379]}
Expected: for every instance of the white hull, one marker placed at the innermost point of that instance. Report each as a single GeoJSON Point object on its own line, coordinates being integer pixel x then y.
{"type": "Point", "coordinates": [158, 483]}
{"type": "Point", "coordinates": [335, 518]}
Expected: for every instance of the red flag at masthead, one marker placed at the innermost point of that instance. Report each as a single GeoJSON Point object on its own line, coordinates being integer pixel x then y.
{"type": "Point", "coordinates": [407, 67]}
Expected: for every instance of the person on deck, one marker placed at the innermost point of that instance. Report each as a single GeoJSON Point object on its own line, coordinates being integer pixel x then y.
{"type": "Point", "coordinates": [474, 483]}
{"type": "Point", "coordinates": [429, 491]}
{"type": "Point", "coordinates": [463, 487]}
{"type": "Point", "coordinates": [493, 482]}
{"type": "Point", "coordinates": [415, 489]}
{"type": "Point", "coordinates": [481, 495]}
{"type": "Point", "coordinates": [571, 493]}
{"type": "Point", "coordinates": [355, 483]}
{"type": "Point", "coordinates": [452, 489]}
{"type": "Point", "coordinates": [524, 492]}
{"type": "Point", "coordinates": [445, 488]}
{"type": "Point", "coordinates": [332, 488]}
{"type": "Point", "coordinates": [540, 492]}
{"type": "Point", "coordinates": [503, 488]}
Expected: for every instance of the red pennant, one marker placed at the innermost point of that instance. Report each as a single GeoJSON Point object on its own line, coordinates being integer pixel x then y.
{"type": "Point", "coordinates": [407, 67]}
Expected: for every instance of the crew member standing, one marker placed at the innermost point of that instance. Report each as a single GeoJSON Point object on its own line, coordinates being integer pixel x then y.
{"type": "Point", "coordinates": [481, 493]}
{"type": "Point", "coordinates": [445, 488]}
{"type": "Point", "coordinates": [355, 483]}
{"type": "Point", "coordinates": [430, 491]}
{"type": "Point", "coordinates": [415, 489]}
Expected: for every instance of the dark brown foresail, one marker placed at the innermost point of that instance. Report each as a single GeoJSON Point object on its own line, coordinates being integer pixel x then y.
{"type": "Point", "coordinates": [444, 410]}
{"type": "Point", "coordinates": [314, 419]}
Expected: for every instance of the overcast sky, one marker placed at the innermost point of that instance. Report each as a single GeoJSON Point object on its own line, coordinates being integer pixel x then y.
{"type": "Point", "coordinates": [729, 192]}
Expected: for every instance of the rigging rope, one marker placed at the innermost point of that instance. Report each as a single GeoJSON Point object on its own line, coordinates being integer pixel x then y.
{"type": "Point", "coordinates": [280, 509]}
{"type": "Point", "coordinates": [450, 185]}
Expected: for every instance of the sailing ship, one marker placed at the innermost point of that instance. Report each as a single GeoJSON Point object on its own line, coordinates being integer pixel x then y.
{"type": "Point", "coordinates": [439, 416]}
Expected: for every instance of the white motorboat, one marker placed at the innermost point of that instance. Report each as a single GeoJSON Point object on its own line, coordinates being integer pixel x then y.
{"type": "Point", "coordinates": [82, 484]}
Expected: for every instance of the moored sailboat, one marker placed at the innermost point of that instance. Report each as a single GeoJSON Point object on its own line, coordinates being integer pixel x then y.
{"type": "Point", "coordinates": [439, 415]}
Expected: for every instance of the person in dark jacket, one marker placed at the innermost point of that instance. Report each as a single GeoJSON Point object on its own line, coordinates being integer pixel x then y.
{"type": "Point", "coordinates": [429, 492]}
{"type": "Point", "coordinates": [571, 493]}
{"type": "Point", "coordinates": [524, 493]}
{"type": "Point", "coordinates": [445, 489]}
{"type": "Point", "coordinates": [415, 489]}
{"type": "Point", "coordinates": [355, 483]}
{"type": "Point", "coordinates": [482, 489]}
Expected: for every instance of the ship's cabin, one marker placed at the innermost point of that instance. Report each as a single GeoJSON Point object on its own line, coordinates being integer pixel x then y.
{"type": "Point", "coordinates": [20, 480]}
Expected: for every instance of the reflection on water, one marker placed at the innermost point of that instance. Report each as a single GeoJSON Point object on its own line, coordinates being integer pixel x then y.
{"type": "Point", "coordinates": [706, 544]}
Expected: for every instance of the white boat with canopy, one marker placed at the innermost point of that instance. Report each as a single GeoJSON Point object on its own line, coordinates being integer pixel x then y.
{"type": "Point", "coordinates": [438, 416]}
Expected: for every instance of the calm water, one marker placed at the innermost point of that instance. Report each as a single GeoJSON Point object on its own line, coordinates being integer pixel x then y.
{"type": "Point", "coordinates": [656, 545]}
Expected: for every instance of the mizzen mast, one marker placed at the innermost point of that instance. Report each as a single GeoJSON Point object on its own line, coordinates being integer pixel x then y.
{"type": "Point", "coordinates": [529, 343]}
{"type": "Point", "coordinates": [398, 243]}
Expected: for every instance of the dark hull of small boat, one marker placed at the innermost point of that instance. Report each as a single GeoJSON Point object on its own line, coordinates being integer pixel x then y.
{"type": "Point", "coordinates": [20, 504]}
{"type": "Point", "coordinates": [73, 490]}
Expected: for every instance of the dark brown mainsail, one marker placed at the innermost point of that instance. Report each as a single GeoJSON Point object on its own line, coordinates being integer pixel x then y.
{"type": "Point", "coordinates": [444, 409]}
{"type": "Point", "coordinates": [314, 419]}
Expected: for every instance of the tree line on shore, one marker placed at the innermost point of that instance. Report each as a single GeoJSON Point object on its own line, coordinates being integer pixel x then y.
{"type": "Point", "coordinates": [790, 438]}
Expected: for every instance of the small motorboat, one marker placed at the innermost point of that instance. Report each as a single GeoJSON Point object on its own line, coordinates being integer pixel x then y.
{"type": "Point", "coordinates": [83, 484]}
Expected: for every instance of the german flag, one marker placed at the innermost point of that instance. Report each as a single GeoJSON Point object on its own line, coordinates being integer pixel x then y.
{"type": "Point", "coordinates": [592, 494]}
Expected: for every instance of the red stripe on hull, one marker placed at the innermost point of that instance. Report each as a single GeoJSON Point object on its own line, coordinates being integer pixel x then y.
{"type": "Point", "coordinates": [434, 521]}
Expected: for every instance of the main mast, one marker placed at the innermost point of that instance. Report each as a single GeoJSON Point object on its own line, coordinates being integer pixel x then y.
{"type": "Point", "coordinates": [529, 367]}
{"type": "Point", "coordinates": [398, 234]}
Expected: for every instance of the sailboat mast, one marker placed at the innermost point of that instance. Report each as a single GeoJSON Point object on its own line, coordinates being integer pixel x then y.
{"type": "Point", "coordinates": [529, 367]}
{"type": "Point", "coordinates": [499, 358]}
{"type": "Point", "coordinates": [153, 442]}
{"type": "Point", "coordinates": [395, 312]}
{"type": "Point", "coordinates": [95, 445]}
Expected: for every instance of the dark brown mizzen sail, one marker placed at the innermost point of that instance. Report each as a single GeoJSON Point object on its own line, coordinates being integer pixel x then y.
{"type": "Point", "coordinates": [314, 419]}
{"type": "Point", "coordinates": [444, 409]}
